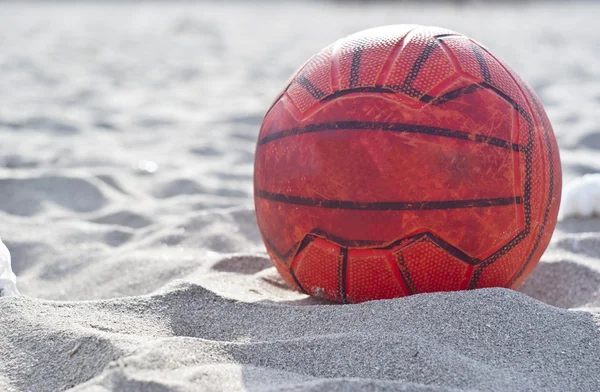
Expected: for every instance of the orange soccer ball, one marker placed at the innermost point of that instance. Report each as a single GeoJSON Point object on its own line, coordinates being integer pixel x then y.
{"type": "Point", "coordinates": [401, 160]}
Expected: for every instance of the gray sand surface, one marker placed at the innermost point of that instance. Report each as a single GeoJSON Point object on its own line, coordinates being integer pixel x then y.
{"type": "Point", "coordinates": [127, 135]}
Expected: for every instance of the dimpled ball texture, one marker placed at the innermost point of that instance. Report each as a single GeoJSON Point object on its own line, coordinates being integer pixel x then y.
{"type": "Point", "coordinates": [405, 159]}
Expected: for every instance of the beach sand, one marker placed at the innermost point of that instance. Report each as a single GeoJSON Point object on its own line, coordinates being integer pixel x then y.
{"type": "Point", "coordinates": [127, 136]}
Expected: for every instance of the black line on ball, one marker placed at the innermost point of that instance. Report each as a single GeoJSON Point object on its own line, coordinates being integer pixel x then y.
{"type": "Point", "coordinates": [376, 245]}
{"type": "Point", "coordinates": [343, 272]}
{"type": "Point", "coordinates": [426, 98]}
{"type": "Point", "coordinates": [550, 193]}
{"type": "Point", "coordinates": [355, 67]}
{"type": "Point", "coordinates": [390, 127]}
{"type": "Point", "coordinates": [447, 35]}
{"type": "Point", "coordinates": [297, 281]}
{"type": "Point", "coordinates": [305, 242]}
{"type": "Point", "coordinates": [388, 205]}
{"type": "Point", "coordinates": [452, 250]}
{"type": "Point", "coordinates": [309, 87]}
{"type": "Point", "coordinates": [379, 89]}
{"type": "Point", "coordinates": [527, 149]}
{"type": "Point", "coordinates": [405, 274]}
{"type": "Point", "coordinates": [416, 68]}
{"type": "Point", "coordinates": [485, 71]}
{"type": "Point", "coordinates": [456, 93]}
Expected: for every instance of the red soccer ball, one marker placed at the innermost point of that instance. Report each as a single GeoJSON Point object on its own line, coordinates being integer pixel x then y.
{"type": "Point", "coordinates": [401, 160]}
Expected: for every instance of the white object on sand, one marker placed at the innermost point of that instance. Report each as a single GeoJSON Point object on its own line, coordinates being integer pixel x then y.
{"type": "Point", "coordinates": [8, 280]}
{"type": "Point", "coordinates": [581, 197]}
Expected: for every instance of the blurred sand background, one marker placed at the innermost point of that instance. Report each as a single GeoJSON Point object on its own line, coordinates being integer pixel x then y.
{"type": "Point", "coordinates": [127, 135]}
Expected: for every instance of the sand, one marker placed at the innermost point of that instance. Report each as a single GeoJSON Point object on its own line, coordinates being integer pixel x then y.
{"type": "Point", "coordinates": [127, 134]}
